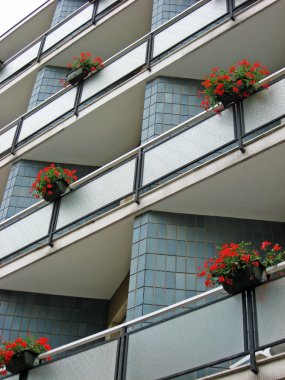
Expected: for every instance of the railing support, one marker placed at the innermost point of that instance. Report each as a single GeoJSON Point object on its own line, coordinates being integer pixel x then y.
{"type": "Point", "coordinates": [138, 175]}
{"type": "Point", "coordinates": [149, 51]}
{"type": "Point", "coordinates": [41, 48]}
{"type": "Point", "coordinates": [95, 12]}
{"type": "Point", "coordinates": [53, 220]}
{"type": "Point", "coordinates": [78, 98]}
{"type": "Point", "coordinates": [239, 124]}
{"type": "Point", "coordinates": [230, 7]}
{"type": "Point", "coordinates": [16, 136]}
{"type": "Point", "coordinates": [251, 331]}
{"type": "Point", "coordinates": [122, 355]}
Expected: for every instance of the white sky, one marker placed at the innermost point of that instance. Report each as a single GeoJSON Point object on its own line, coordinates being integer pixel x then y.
{"type": "Point", "coordinates": [13, 11]}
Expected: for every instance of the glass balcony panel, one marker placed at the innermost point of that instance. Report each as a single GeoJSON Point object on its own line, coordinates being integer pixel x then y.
{"type": "Point", "coordinates": [100, 192]}
{"type": "Point", "coordinates": [188, 341]}
{"type": "Point", "coordinates": [48, 113]}
{"type": "Point", "coordinates": [103, 4]}
{"type": "Point", "coordinates": [68, 27]}
{"type": "Point", "coordinates": [25, 231]}
{"type": "Point", "coordinates": [188, 146]}
{"type": "Point", "coordinates": [20, 61]}
{"type": "Point", "coordinates": [115, 71]}
{"type": "Point", "coordinates": [264, 106]}
{"type": "Point", "coordinates": [270, 311]}
{"type": "Point", "coordinates": [188, 25]}
{"type": "Point", "coordinates": [6, 139]}
{"type": "Point", "coordinates": [15, 377]}
{"type": "Point", "coordinates": [96, 363]}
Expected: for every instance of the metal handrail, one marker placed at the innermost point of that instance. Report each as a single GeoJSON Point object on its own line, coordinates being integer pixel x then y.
{"type": "Point", "coordinates": [106, 333]}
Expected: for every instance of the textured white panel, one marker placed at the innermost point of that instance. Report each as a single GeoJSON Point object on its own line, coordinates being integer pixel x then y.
{"type": "Point", "coordinates": [187, 341]}
{"type": "Point", "coordinates": [68, 27]}
{"type": "Point", "coordinates": [103, 4]}
{"type": "Point", "coordinates": [264, 106]}
{"type": "Point", "coordinates": [25, 231]}
{"type": "Point", "coordinates": [19, 62]}
{"type": "Point", "coordinates": [95, 364]}
{"type": "Point", "coordinates": [114, 71]}
{"type": "Point", "coordinates": [48, 113]}
{"type": "Point", "coordinates": [188, 25]}
{"type": "Point", "coordinates": [239, 2]}
{"type": "Point", "coordinates": [96, 194]}
{"type": "Point", "coordinates": [6, 139]}
{"type": "Point", "coordinates": [188, 146]}
{"type": "Point", "coordinates": [270, 299]}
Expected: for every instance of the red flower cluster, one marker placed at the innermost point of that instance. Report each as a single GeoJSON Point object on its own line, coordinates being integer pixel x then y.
{"type": "Point", "coordinates": [273, 253]}
{"type": "Point", "coordinates": [38, 346]}
{"type": "Point", "coordinates": [232, 257]}
{"type": "Point", "coordinates": [47, 177]}
{"type": "Point", "coordinates": [242, 79]}
{"type": "Point", "coordinates": [86, 61]}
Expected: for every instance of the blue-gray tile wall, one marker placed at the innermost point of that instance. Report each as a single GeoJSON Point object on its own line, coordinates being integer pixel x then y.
{"type": "Point", "coordinates": [164, 10]}
{"type": "Point", "coordinates": [169, 248]}
{"type": "Point", "coordinates": [168, 102]}
{"type": "Point", "coordinates": [48, 82]}
{"type": "Point", "coordinates": [17, 194]}
{"type": "Point", "coordinates": [64, 8]}
{"type": "Point", "coordinates": [62, 319]}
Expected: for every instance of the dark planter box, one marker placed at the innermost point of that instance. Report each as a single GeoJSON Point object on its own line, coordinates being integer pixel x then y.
{"type": "Point", "coordinates": [77, 75]}
{"type": "Point", "coordinates": [59, 188]}
{"type": "Point", "coordinates": [245, 278]}
{"type": "Point", "coordinates": [228, 99]}
{"type": "Point", "coordinates": [21, 361]}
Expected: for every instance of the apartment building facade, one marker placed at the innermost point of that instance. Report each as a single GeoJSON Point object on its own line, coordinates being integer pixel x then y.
{"type": "Point", "coordinates": [161, 184]}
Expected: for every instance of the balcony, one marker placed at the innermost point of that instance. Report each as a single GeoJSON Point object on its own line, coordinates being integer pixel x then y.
{"type": "Point", "coordinates": [38, 134]}
{"type": "Point", "coordinates": [27, 30]}
{"type": "Point", "coordinates": [98, 27]}
{"type": "Point", "coordinates": [170, 173]}
{"type": "Point", "coordinates": [207, 334]}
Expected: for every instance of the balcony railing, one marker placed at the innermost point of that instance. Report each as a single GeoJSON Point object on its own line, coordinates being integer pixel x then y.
{"type": "Point", "coordinates": [208, 331]}
{"type": "Point", "coordinates": [72, 25]}
{"type": "Point", "coordinates": [190, 24]}
{"type": "Point", "coordinates": [193, 142]}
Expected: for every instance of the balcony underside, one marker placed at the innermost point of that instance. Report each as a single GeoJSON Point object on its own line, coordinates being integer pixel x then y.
{"type": "Point", "coordinates": [27, 31]}
{"type": "Point", "coordinates": [83, 139]}
{"type": "Point", "coordinates": [104, 39]}
{"type": "Point", "coordinates": [249, 186]}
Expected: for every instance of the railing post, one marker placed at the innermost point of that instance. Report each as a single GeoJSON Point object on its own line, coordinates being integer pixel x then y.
{"type": "Point", "coordinates": [41, 48]}
{"type": "Point", "coordinates": [251, 331]}
{"type": "Point", "coordinates": [149, 51]}
{"type": "Point", "coordinates": [230, 8]}
{"type": "Point", "coordinates": [78, 98]}
{"type": "Point", "coordinates": [138, 175]}
{"type": "Point", "coordinates": [16, 135]}
{"type": "Point", "coordinates": [121, 360]}
{"type": "Point", "coordinates": [24, 375]}
{"type": "Point", "coordinates": [53, 220]}
{"type": "Point", "coordinates": [238, 124]}
{"type": "Point", "coordinates": [95, 12]}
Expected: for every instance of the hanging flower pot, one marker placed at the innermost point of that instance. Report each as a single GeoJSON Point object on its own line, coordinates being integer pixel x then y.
{"type": "Point", "coordinates": [228, 98]}
{"type": "Point", "coordinates": [21, 361]}
{"type": "Point", "coordinates": [239, 266]}
{"type": "Point", "coordinates": [82, 65]}
{"type": "Point", "coordinates": [245, 278]}
{"type": "Point", "coordinates": [20, 355]}
{"type": "Point", "coordinates": [52, 181]}
{"type": "Point", "coordinates": [58, 188]}
{"type": "Point", "coordinates": [77, 75]}
{"type": "Point", "coordinates": [239, 82]}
